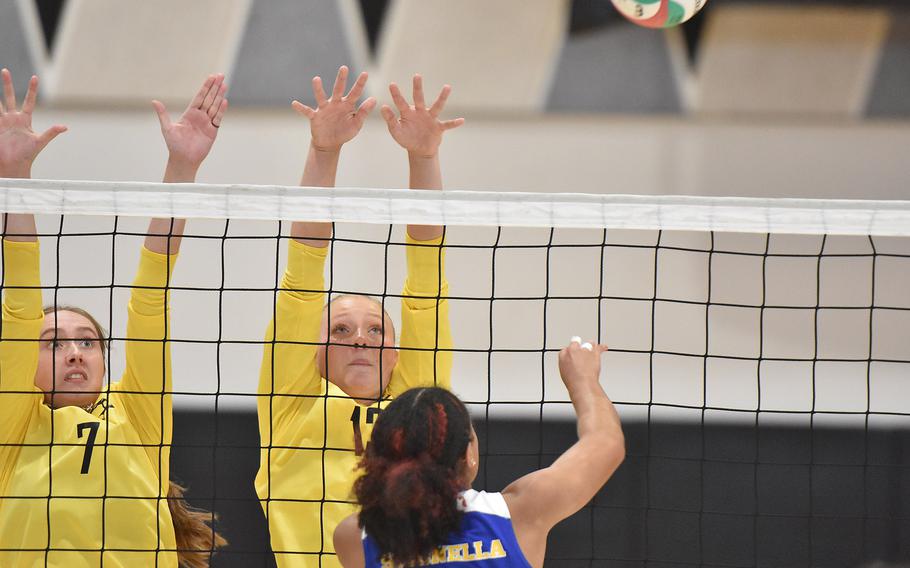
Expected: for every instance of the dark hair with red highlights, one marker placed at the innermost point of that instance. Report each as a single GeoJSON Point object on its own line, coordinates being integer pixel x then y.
{"type": "Point", "coordinates": [411, 469]}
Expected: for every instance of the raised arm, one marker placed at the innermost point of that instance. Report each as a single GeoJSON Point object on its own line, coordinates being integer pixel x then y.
{"type": "Point", "coordinates": [334, 121]}
{"type": "Point", "coordinates": [22, 314]}
{"type": "Point", "coordinates": [426, 337]}
{"type": "Point", "coordinates": [418, 130]}
{"type": "Point", "coordinates": [541, 499]}
{"type": "Point", "coordinates": [19, 146]}
{"type": "Point", "coordinates": [189, 141]}
{"type": "Point", "coordinates": [148, 366]}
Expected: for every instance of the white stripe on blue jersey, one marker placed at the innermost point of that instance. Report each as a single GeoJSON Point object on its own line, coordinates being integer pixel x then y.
{"type": "Point", "coordinates": [486, 538]}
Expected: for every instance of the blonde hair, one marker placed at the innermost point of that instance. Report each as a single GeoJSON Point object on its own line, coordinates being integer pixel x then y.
{"type": "Point", "coordinates": [197, 539]}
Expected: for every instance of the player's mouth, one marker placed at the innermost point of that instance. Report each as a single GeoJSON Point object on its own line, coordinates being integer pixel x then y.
{"type": "Point", "coordinates": [75, 377]}
{"type": "Point", "coordinates": [361, 362]}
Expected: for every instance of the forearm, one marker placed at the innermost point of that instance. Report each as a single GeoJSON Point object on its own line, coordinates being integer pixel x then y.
{"type": "Point", "coordinates": [20, 227]}
{"type": "Point", "coordinates": [319, 171]}
{"type": "Point", "coordinates": [424, 173]}
{"type": "Point", "coordinates": [596, 414]}
{"type": "Point", "coordinates": [164, 236]}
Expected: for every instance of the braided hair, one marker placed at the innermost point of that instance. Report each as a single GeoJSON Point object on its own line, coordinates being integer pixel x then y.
{"type": "Point", "coordinates": [412, 474]}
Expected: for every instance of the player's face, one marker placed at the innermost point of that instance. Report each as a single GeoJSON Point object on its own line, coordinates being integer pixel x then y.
{"type": "Point", "coordinates": [361, 352]}
{"type": "Point", "coordinates": [70, 360]}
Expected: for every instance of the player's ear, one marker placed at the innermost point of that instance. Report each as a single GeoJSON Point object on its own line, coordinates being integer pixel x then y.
{"type": "Point", "coordinates": [391, 356]}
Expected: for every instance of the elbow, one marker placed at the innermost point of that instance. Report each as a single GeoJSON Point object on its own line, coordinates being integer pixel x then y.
{"type": "Point", "coordinates": [613, 450]}
{"type": "Point", "coordinates": [617, 448]}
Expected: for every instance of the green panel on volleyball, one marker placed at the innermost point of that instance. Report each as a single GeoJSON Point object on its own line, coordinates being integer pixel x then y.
{"type": "Point", "coordinates": [658, 13]}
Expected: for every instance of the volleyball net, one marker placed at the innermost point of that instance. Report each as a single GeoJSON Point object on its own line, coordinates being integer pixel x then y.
{"type": "Point", "coordinates": [758, 347]}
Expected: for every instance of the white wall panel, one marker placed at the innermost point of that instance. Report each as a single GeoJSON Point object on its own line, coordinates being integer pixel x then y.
{"type": "Point", "coordinates": [785, 59]}
{"type": "Point", "coordinates": [135, 50]}
{"type": "Point", "coordinates": [497, 55]}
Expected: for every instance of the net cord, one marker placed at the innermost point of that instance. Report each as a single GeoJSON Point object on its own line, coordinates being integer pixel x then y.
{"type": "Point", "coordinates": [452, 208]}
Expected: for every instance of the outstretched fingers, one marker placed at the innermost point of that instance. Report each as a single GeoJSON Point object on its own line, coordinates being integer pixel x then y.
{"type": "Point", "coordinates": [219, 114]}
{"type": "Point", "coordinates": [419, 102]}
{"type": "Point", "coordinates": [341, 80]}
{"type": "Point", "coordinates": [28, 105]}
{"type": "Point", "coordinates": [389, 116]}
{"type": "Point", "coordinates": [357, 88]}
{"type": "Point", "coordinates": [203, 91]}
{"type": "Point", "coordinates": [215, 106]}
{"type": "Point", "coordinates": [440, 101]}
{"type": "Point", "coordinates": [212, 93]}
{"type": "Point", "coordinates": [50, 134]}
{"type": "Point", "coordinates": [365, 108]}
{"type": "Point", "coordinates": [400, 103]}
{"type": "Point", "coordinates": [450, 124]}
{"type": "Point", "coordinates": [163, 117]}
{"type": "Point", "coordinates": [303, 109]}
{"type": "Point", "coordinates": [319, 92]}
{"type": "Point", "coordinates": [9, 92]}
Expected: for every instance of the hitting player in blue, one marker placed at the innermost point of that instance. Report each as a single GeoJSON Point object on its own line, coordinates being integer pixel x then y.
{"type": "Point", "coordinates": [417, 505]}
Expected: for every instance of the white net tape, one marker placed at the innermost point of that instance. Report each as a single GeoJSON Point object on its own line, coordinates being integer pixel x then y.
{"type": "Point", "coordinates": [513, 209]}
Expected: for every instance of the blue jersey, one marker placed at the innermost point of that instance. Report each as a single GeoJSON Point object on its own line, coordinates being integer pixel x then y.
{"type": "Point", "coordinates": [486, 538]}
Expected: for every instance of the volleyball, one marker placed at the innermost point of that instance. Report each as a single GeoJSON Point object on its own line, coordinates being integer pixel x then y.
{"type": "Point", "coordinates": [659, 13]}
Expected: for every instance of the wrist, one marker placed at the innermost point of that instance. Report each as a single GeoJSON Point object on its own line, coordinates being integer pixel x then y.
{"type": "Point", "coordinates": [16, 172]}
{"type": "Point", "coordinates": [178, 170]}
{"type": "Point", "coordinates": [423, 157]}
{"type": "Point", "coordinates": [325, 151]}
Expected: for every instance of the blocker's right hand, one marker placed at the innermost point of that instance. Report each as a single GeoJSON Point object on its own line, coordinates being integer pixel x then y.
{"type": "Point", "coordinates": [579, 362]}
{"type": "Point", "coordinates": [337, 119]}
{"type": "Point", "coordinates": [19, 144]}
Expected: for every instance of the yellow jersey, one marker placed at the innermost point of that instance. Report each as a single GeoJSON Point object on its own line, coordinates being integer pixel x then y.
{"type": "Point", "coordinates": [309, 428]}
{"type": "Point", "coordinates": [80, 485]}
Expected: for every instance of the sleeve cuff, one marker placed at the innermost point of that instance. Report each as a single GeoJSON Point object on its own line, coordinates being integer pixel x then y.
{"type": "Point", "coordinates": [155, 269]}
{"type": "Point", "coordinates": [426, 267]}
{"type": "Point", "coordinates": [306, 267]}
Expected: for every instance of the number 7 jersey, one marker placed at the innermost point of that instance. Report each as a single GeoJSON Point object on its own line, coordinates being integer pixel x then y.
{"type": "Point", "coordinates": [77, 483]}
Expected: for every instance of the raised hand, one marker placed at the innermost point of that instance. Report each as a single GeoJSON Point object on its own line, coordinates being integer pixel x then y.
{"type": "Point", "coordinates": [418, 129]}
{"type": "Point", "coordinates": [337, 119]}
{"type": "Point", "coordinates": [579, 363]}
{"type": "Point", "coordinates": [19, 144]}
{"type": "Point", "coordinates": [190, 139]}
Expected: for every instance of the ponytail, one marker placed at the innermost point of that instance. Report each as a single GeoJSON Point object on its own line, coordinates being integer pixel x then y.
{"type": "Point", "coordinates": [196, 537]}
{"type": "Point", "coordinates": [412, 475]}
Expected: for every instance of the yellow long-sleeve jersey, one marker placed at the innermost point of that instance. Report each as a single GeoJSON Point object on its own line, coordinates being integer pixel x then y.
{"type": "Point", "coordinates": [307, 425]}
{"type": "Point", "coordinates": [78, 485]}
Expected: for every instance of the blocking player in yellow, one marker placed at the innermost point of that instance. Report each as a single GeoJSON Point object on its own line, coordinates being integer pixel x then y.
{"type": "Point", "coordinates": [328, 370]}
{"type": "Point", "coordinates": [84, 467]}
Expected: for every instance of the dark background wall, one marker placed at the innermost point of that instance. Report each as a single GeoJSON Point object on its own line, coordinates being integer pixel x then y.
{"type": "Point", "coordinates": [688, 494]}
